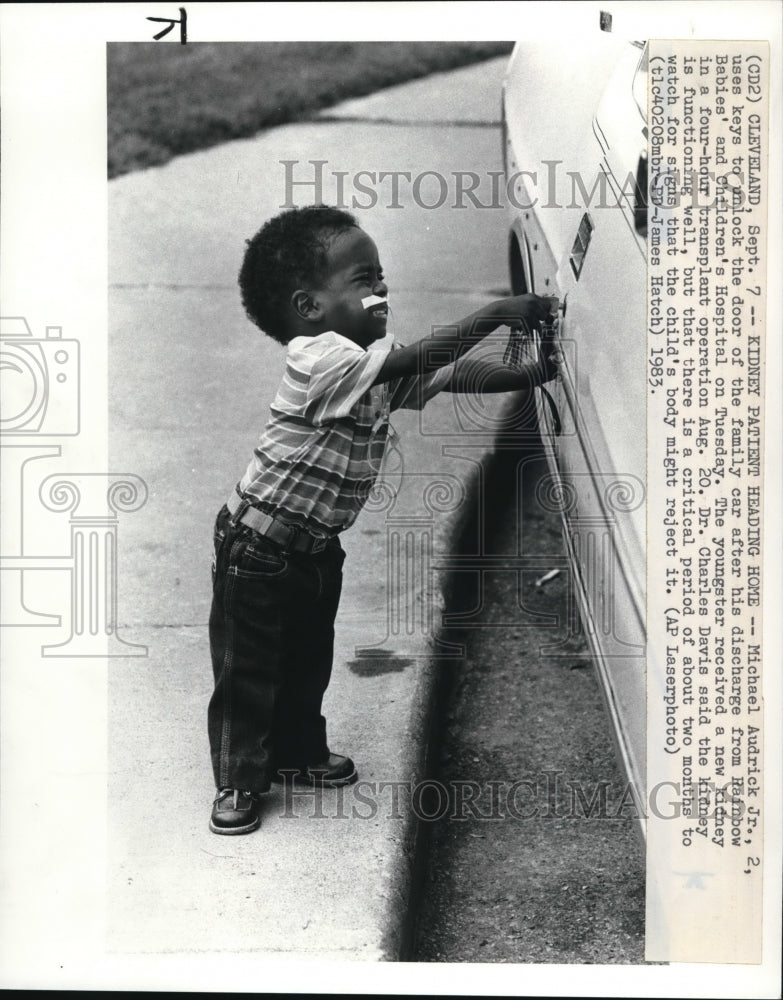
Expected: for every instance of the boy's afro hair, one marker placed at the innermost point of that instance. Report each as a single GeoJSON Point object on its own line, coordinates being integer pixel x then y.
{"type": "Point", "coordinates": [288, 252]}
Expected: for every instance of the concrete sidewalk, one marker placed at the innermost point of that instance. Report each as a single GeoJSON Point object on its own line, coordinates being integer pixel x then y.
{"type": "Point", "coordinates": [328, 876]}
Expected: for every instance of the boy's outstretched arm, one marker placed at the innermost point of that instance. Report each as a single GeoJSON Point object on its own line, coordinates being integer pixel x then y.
{"type": "Point", "coordinates": [445, 345]}
{"type": "Point", "coordinates": [480, 375]}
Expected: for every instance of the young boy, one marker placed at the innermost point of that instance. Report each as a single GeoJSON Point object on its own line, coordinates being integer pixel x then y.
{"type": "Point", "coordinates": [312, 280]}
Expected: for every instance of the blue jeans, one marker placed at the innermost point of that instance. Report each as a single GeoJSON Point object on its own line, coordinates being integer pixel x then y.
{"type": "Point", "coordinates": [271, 634]}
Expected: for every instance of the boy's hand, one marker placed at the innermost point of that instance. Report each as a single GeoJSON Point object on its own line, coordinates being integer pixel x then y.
{"type": "Point", "coordinates": [550, 364]}
{"type": "Point", "coordinates": [550, 356]}
{"type": "Point", "coordinates": [520, 311]}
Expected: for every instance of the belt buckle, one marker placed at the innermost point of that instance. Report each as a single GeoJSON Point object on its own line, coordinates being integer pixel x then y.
{"type": "Point", "coordinates": [239, 513]}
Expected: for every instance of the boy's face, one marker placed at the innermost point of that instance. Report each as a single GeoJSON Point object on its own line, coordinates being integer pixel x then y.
{"type": "Point", "coordinates": [353, 273]}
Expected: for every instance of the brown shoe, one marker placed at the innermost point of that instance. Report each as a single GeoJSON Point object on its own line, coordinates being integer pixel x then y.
{"type": "Point", "coordinates": [235, 811]}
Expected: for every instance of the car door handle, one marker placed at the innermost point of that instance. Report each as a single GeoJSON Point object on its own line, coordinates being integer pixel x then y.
{"type": "Point", "coordinates": [557, 426]}
{"type": "Point", "coordinates": [547, 344]}
{"type": "Point", "coordinates": [640, 196]}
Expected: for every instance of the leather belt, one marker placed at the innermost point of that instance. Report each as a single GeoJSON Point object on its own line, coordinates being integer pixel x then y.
{"type": "Point", "coordinates": [290, 538]}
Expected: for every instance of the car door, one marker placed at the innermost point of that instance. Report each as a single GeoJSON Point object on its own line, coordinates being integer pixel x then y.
{"type": "Point", "coordinates": [594, 425]}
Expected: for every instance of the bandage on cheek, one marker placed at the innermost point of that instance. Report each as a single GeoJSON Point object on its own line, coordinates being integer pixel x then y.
{"type": "Point", "coordinates": [372, 300]}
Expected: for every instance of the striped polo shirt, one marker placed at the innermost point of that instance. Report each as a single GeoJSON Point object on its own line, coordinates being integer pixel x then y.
{"type": "Point", "coordinates": [323, 445]}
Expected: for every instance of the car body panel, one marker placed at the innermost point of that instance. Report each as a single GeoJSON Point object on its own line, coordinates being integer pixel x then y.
{"type": "Point", "coordinates": [573, 229]}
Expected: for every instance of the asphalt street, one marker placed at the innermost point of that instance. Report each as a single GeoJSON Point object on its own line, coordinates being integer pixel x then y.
{"type": "Point", "coordinates": [539, 858]}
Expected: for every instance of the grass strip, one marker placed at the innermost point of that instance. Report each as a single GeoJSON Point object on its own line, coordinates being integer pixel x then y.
{"type": "Point", "coordinates": [167, 99]}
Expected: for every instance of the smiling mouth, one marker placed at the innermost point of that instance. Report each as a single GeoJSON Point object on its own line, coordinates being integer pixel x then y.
{"type": "Point", "coordinates": [381, 312]}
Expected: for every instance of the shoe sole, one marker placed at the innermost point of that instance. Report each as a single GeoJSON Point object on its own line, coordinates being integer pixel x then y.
{"type": "Point", "coordinates": [327, 782]}
{"type": "Point", "coordinates": [231, 830]}
{"type": "Point", "coordinates": [300, 779]}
